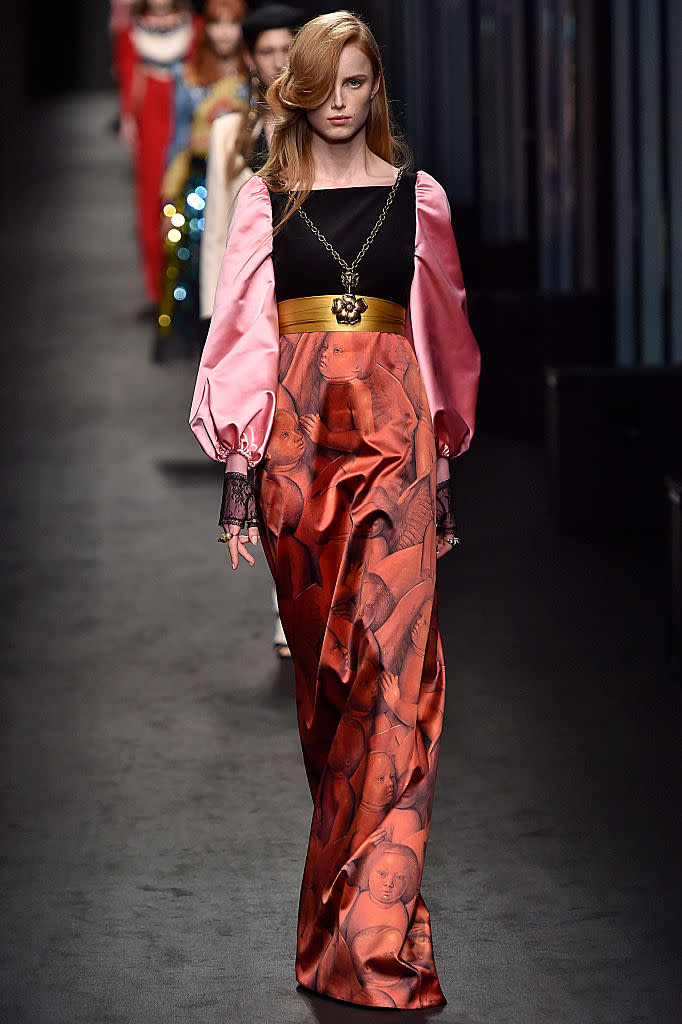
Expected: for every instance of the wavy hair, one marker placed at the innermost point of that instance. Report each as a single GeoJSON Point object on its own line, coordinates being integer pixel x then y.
{"type": "Point", "coordinates": [304, 85]}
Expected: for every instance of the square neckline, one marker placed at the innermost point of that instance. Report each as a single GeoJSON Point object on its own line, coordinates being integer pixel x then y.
{"type": "Point", "coordinates": [349, 188]}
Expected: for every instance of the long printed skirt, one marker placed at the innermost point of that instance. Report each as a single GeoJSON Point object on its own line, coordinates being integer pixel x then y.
{"type": "Point", "coordinates": [346, 493]}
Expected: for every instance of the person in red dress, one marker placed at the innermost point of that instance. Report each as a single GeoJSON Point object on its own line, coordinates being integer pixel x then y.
{"type": "Point", "coordinates": [150, 53]}
{"type": "Point", "coordinates": [338, 383]}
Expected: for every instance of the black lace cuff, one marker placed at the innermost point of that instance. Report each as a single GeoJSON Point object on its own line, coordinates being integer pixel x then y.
{"type": "Point", "coordinates": [445, 507]}
{"type": "Point", "coordinates": [238, 507]}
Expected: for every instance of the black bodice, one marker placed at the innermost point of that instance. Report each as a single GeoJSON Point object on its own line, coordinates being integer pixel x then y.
{"type": "Point", "coordinates": [346, 216]}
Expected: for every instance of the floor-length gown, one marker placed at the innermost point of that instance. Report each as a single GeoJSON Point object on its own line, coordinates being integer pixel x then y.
{"type": "Point", "coordinates": [344, 436]}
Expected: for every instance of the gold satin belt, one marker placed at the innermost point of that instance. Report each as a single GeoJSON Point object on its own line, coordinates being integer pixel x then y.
{"type": "Point", "coordinates": [314, 313]}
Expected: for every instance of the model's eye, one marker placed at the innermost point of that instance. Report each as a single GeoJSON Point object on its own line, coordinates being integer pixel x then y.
{"type": "Point", "coordinates": [354, 83]}
{"type": "Point", "coordinates": [382, 874]}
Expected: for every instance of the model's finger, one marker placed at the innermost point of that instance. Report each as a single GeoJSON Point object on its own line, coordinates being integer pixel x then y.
{"type": "Point", "coordinates": [233, 548]}
{"type": "Point", "coordinates": [244, 553]}
{"type": "Point", "coordinates": [253, 534]}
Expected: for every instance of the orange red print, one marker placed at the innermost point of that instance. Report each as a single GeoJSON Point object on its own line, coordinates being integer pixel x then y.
{"type": "Point", "coordinates": [347, 498]}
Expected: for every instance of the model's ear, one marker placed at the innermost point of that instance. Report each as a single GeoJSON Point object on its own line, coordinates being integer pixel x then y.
{"type": "Point", "coordinates": [375, 87]}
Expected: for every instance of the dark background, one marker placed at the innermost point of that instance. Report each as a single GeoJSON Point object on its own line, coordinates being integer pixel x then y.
{"type": "Point", "coordinates": [154, 809]}
{"type": "Point", "coordinates": [550, 123]}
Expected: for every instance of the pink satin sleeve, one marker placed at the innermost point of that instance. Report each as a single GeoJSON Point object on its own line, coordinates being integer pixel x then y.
{"type": "Point", "coordinates": [236, 389]}
{"type": "Point", "coordinates": [438, 325]}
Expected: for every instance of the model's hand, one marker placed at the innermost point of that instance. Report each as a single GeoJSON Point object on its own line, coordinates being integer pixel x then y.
{"type": "Point", "coordinates": [443, 546]}
{"type": "Point", "coordinates": [237, 544]}
{"type": "Point", "coordinates": [128, 130]}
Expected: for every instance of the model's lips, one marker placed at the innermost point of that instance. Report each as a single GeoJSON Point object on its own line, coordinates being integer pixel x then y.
{"type": "Point", "coordinates": [339, 120]}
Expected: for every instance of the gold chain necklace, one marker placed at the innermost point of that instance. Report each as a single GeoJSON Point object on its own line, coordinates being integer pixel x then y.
{"type": "Point", "coordinates": [349, 307]}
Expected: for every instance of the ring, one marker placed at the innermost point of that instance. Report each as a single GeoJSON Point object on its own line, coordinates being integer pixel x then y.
{"type": "Point", "coordinates": [452, 541]}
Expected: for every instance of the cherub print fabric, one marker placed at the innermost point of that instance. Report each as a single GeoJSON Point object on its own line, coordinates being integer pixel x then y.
{"type": "Point", "coordinates": [343, 429]}
{"type": "Point", "coordinates": [347, 493]}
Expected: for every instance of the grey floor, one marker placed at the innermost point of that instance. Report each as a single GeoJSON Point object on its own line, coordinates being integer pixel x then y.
{"type": "Point", "coordinates": [154, 806]}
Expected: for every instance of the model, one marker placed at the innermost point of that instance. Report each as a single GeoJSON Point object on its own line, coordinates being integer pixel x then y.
{"type": "Point", "coordinates": [240, 143]}
{"type": "Point", "coordinates": [150, 54]}
{"type": "Point", "coordinates": [212, 83]}
{"type": "Point", "coordinates": [338, 381]}
{"type": "Point", "coordinates": [239, 146]}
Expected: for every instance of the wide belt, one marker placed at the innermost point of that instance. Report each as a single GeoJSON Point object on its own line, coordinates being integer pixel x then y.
{"type": "Point", "coordinates": [314, 313]}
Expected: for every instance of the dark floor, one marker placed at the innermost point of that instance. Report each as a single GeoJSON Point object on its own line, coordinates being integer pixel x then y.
{"type": "Point", "coordinates": [155, 810]}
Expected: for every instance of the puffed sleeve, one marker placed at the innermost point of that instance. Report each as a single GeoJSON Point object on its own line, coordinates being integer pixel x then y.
{"type": "Point", "coordinates": [438, 325]}
{"type": "Point", "coordinates": [235, 394]}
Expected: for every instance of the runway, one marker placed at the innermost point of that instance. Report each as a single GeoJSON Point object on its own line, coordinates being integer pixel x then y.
{"type": "Point", "coordinates": [154, 806]}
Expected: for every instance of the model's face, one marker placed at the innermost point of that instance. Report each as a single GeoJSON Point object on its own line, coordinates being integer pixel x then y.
{"type": "Point", "coordinates": [225, 37]}
{"type": "Point", "coordinates": [339, 358]}
{"type": "Point", "coordinates": [286, 443]}
{"type": "Point", "coordinates": [270, 55]}
{"type": "Point", "coordinates": [388, 879]}
{"type": "Point", "coordinates": [345, 111]}
{"type": "Point", "coordinates": [380, 780]}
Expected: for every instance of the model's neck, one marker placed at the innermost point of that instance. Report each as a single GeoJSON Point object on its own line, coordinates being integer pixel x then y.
{"type": "Point", "coordinates": [227, 66]}
{"type": "Point", "coordinates": [343, 164]}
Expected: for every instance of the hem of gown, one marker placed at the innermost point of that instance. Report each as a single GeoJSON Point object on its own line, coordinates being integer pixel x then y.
{"type": "Point", "coordinates": [369, 1006]}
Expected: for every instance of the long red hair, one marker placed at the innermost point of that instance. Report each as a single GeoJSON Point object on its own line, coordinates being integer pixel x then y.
{"type": "Point", "coordinates": [304, 85]}
{"type": "Point", "coordinates": [204, 68]}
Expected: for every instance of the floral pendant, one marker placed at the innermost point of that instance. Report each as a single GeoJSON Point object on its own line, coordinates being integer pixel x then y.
{"type": "Point", "coordinates": [348, 308]}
